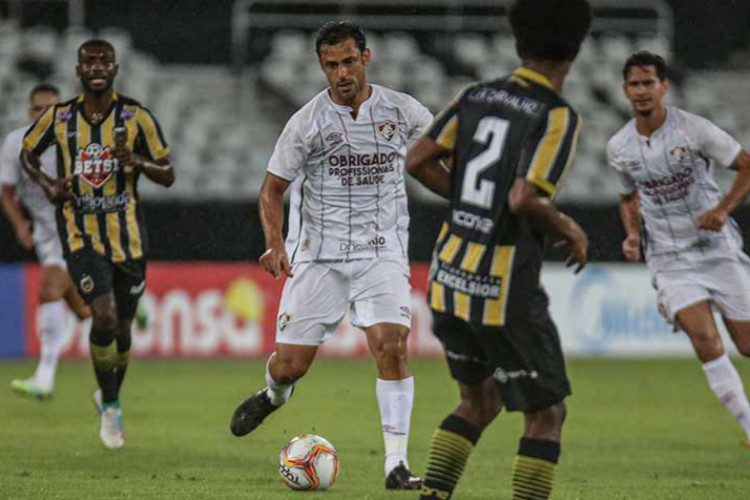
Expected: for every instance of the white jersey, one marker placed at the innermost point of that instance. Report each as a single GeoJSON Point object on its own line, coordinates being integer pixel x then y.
{"type": "Point", "coordinates": [12, 174]}
{"type": "Point", "coordinates": [672, 172]}
{"type": "Point", "coordinates": [348, 195]}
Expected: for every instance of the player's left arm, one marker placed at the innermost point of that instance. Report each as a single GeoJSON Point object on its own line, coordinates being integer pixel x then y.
{"type": "Point", "coordinates": [714, 219]}
{"type": "Point", "coordinates": [545, 160]}
{"type": "Point", "coordinates": [159, 171]}
{"type": "Point", "coordinates": [151, 154]}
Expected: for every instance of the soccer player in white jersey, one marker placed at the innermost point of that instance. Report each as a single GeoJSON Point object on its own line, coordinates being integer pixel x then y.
{"type": "Point", "coordinates": [346, 249]}
{"type": "Point", "coordinates": [693, 247]}
{"type": "Point", "coordinates": [39, 233]}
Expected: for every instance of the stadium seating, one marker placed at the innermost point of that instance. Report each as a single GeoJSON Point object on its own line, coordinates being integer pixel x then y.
{"type": "Point", "coordinates": [223, 127]}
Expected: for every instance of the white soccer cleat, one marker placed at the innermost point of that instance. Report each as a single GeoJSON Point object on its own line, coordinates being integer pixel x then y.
{"type": "Point", "coordinates": [30, 387]}
{"type": "Point", "coordinates": [110, 428]}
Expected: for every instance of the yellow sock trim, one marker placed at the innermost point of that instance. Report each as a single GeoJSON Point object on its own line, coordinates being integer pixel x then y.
{"type": "Point", "coordinates": [533, 478]}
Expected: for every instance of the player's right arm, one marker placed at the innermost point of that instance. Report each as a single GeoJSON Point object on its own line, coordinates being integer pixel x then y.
{"type": "Point", "coordinates": [37, 139]}
{"type": "Point", "coordinates": [9, 177]}
{"type": "Point", "coordinates": [288, 158]}
{"type": "Point", "coordinates": [630, 207]}
{"type": "Point", "coordinates": [630, 214]}
{"type": "Point", "coordinates": [546, 158]}
{"type": "Point", "coordinates": [275, 259]}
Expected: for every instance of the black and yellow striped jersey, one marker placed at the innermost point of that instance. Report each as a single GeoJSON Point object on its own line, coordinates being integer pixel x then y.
{"type": "Point", "coordinates": [104, 213]}
{"type": "Point", "coordinates": [496, 131]}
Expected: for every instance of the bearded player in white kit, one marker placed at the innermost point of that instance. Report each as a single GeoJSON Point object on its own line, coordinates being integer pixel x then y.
{"type": "Point", "coordinates": [343, 155]}
{"type": "Point", "coordinates": [55, 287]}
{"type": "Point", "coordinates": [693, 247]}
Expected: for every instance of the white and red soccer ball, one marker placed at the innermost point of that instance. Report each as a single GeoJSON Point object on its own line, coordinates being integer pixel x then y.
{"type": "Point", "coordinates": [309, 462]}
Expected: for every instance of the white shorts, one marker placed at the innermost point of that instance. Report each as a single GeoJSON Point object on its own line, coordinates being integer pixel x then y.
{"type": "Point", "coordinates": [723, 281]}
{"type": "Point", "coordinates": [319, 295]}
{"type": "Point", "coordinates": [47, 243]}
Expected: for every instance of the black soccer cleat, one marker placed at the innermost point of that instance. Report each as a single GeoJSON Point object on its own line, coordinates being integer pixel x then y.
{"type": "Point", "coordinates": [251, 413]}
{"type": "Point", "coordinates": [400, 478]}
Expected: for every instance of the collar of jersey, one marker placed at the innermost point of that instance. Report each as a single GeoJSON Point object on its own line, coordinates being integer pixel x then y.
{"type": "Point", "coordinates": [343, 108]}
{"type": "Point", "coordinates": [658, 132]}
{"type": "Point", "coordinates": [114, 97]}
{"type": "Point", "coordinates": [531, 75]}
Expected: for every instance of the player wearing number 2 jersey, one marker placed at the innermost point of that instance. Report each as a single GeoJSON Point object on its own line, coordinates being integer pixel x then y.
{"type": "Point", "coordinates": [511, 142]}
{"type": "Point", "coordinates": [343, 154]}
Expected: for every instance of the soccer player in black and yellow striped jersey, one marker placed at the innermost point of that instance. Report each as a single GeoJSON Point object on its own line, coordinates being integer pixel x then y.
{"type": "Point", "coordinates": [104, 143]}
{"type": "Point", "coordinates": [510, 142]}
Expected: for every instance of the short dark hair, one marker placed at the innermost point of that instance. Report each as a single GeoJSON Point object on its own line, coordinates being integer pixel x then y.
{"type": "Point", "coordinates": [644, 58]}
{"type": "Point", "coordinates": [334, 32]}
{"type": "Point", "coordinates": [96, 41]}
{"type": "Point", "coordinates": [549, 29]}
{"type": "Point", "coordinates": [44, 87]}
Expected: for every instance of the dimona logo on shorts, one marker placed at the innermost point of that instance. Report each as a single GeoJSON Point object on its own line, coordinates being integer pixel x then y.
{"type": "Point", "coordinates": [95, 164]}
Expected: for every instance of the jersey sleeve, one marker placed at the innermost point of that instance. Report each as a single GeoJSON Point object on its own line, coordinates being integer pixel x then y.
{"type": "Point", "coordinates": [290, 153]}
{"type": "Point", "coordinates": [420, 120]}
{"type": "Point", "coordinates": [715, 142]}
{"type": "Point", "coordinates": [624, 181]}
{"type": "Point", "coordinates": [9, 161]}
{"type": "Point", "coordinates": [549, 153]}
{"type": "Point", "coordinates": [41, 134]}
{"type": "Point", "coordinates": [444, 129]}
{"type": "Point", "coordinates": [150, 141]}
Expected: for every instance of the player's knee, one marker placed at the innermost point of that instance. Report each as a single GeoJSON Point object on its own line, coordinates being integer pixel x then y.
{"type": "Point", "coordinates": [105, 318]}
{"type": "Point", "coordinates": [743, 346]}
{"type": "Point", "coordinates": [393, 350]}
{"type": "Point", "coordinates": [707, 345]}
{"type": "Point", "coordinates": [550, 420]}
{"type": "Point", "coordinates": [391, 358]}
{"type": "Point", "coordinates": [480, 411]}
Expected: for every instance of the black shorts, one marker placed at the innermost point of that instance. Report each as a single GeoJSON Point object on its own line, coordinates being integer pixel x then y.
{"type": "Point", "coordinates": [524, 356]}
{"type": "Point", "coordinates": [95, 275]}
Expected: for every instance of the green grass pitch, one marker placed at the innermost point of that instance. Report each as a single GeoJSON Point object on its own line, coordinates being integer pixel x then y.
{"type": "Point", "coordinates": [647, 429]}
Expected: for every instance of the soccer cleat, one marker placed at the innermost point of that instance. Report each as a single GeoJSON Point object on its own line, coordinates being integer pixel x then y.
{"type": "Point", "coordinates": [30, 387]}
{"type": "Point", "coordinates": [251, 413]}
{"type": "Point", "coordinates": [400, 478]}
{"type": "Point", "coordinates": [110, 428]}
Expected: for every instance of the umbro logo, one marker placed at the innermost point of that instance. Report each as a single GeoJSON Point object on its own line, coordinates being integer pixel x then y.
{"type": "Point", "coordinates": [334, 138]}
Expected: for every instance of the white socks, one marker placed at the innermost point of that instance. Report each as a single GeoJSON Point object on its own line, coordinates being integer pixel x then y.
{"type": "Point", "coordinates": [395, 399]}
{"type": "Point", "coordinates": [278, 393]}
{"type": "Point", "coordinates": [727, 385]}
{"type": "Point", "coordinates": [51, 320]}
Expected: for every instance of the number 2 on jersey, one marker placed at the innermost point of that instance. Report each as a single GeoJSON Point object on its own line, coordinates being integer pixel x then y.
{"type": "Point", "coordinates": [481, 194]}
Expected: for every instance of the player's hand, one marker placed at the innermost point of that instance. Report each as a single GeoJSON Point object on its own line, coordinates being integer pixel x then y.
{"type": "Point", "coordinates": [275, 261]}
{"type": "Point", "coordinates": [23, 235]}
{"type": "Point", "coordinates": [126, 159]}
{"type": "Point", "coordinates": [577, 244]}
{"type": "Point", "coordinates": [714, 219]}
{"type": "Point", "coordinates": [631, 248]}
{"type": "Point", "coordinates": [58, 191]}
